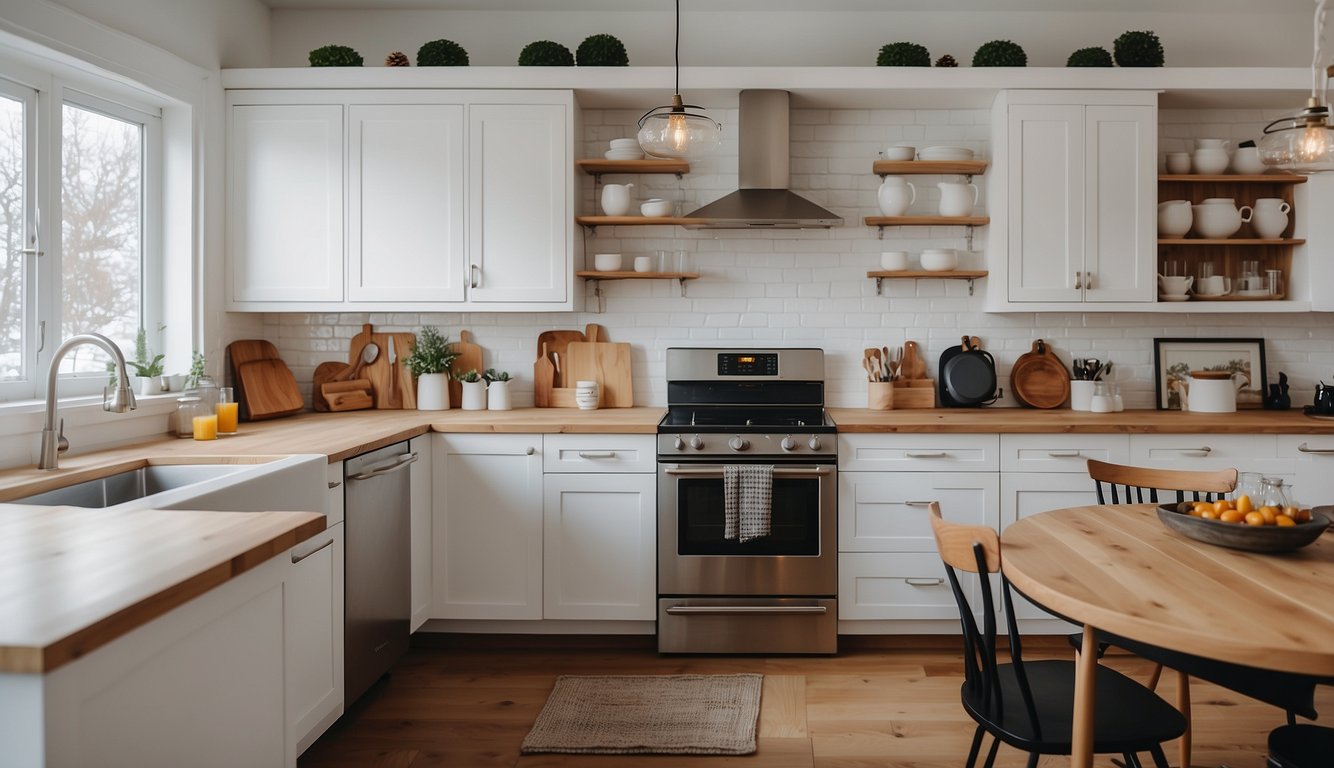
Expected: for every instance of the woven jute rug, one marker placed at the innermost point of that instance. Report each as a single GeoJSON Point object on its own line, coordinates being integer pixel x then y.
{"type": "Point", "coordinates": [649, 714]}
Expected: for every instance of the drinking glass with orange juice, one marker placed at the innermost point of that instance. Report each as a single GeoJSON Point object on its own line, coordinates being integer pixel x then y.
{"type": "Point", "coordinates": [227, 412]}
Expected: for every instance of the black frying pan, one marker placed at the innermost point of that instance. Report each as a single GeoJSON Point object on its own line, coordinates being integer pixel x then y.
{"type": "Point", "coordinates": [967, 376]}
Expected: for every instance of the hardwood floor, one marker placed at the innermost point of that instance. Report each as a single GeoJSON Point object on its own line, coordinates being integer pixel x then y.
{"type": "Point", "coordinates": [895, 707]}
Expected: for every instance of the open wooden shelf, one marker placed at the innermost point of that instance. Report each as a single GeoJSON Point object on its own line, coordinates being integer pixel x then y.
{"type": "Point", "coordinates": [927, 221]}
{"type": "Point", "coordinates": [929, 167]}
{"type": "Point", "coordinates": [1230, 241]}
{"type": "Point", "coordinates": [1258, 178]}
{"type": "Point", "coordinates": [636, 221]}
{"type": "Point", "coordinates": [955, 274]}
{"type": "Point", "coordinates": [593, 274]}
{"type": "Point", "coordinates": [597, 167]}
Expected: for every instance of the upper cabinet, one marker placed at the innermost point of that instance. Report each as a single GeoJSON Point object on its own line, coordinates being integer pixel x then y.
{"type": "Point", "coordinates": [1074, 200]}
{"type": "Point", "coordinates": [416, 199]}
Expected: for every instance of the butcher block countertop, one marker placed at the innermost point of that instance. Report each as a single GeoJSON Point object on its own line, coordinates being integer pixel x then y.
{"type": "Point", "coordinates": [72, 579]}
{"type": "Point", "coordinates": [1064, 420]}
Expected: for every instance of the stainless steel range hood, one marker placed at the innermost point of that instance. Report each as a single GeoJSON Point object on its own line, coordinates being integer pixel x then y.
{"type": "Point", "coordinates": [764, 201]}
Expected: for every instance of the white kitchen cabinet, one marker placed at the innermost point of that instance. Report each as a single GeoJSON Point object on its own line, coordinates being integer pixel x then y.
{"type": "Point", "coordinates": [1245, 453]}
{"type": "Point", "coordinates": [1313, 458]}
{"type": "Point", "coordinates": [902, 587]}
{"type": "Point", "coordinates": [1074, 191]}
{"type": "Point", "coordinates": [487, 526]}
{"type": "Point", "coordinates": [455, 200]}
{"type": "Point", "coordinates": [887, 511]}
{"type": "Point", "coordinates": [420, 502]}
{"type": "Point", "coordinates": [1030, 493]}
{"type": "Point", "coordinates": [313, 638]}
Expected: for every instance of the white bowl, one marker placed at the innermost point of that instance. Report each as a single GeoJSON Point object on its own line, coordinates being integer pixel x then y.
{"type": "Point", "coordinates": [607, 262]}
{"type": "Point", "coordinates": [624, 144]}
{"type": "Point", "coordinates": [656, 207]}
{"type": "Point", "coordinates": [939, 259]}
{"type": "Point", "coordinates": [900, 153]}
{"type": "Point", "coordinates": [623, 154]}
{"type": "Point", "coordinates": [893, 261]}
{"type": "Point", "coordinates": [954, 154]}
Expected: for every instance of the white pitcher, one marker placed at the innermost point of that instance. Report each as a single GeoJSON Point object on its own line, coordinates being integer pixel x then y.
{"type": "Point", "coordinates": [896, 195]}
{"type": "Point", "coordinates": [1270, 218]}
{"type": "Point", "coordinates": [616, 199]}
{"type": "Point", "coordinates": [1211, 395]}
{"type": "Point", "coordinates": [1174, 218]}
{"type": "Point", "coordinates": [954, 199]}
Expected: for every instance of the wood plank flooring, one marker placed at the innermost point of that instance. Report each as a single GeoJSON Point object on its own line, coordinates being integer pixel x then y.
{"type": "Point", "coordinates": [894, 707]}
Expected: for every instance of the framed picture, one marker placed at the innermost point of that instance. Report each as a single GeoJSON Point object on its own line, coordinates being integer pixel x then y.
{"type": "Point", "coordinates": [1174, 359]}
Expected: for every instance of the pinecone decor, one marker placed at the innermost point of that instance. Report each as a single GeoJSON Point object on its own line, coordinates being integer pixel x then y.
{"type": "Point", "coordinates": [946, 61]}
{"type": "Point", "coordinates": [397, 59]}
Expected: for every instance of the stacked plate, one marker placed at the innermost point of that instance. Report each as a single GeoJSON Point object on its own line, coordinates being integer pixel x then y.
{"type": "Point", "coordinates": [624, 149]}
{"type": "Point", "coordinates": [948, 154]}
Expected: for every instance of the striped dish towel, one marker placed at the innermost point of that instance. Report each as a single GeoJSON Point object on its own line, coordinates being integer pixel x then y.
{"type": "Point", "coordinates": [747, 496]}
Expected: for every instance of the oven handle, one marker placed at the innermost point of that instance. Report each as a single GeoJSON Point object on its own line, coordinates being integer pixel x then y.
{"type": "Point", "coordinates": [746, 610]}
{"type": "Point", "coordinates": [778, 471]}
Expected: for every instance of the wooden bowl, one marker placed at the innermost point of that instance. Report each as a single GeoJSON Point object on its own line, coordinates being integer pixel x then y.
{"type": "Point", "coordinates": [1252, 538]}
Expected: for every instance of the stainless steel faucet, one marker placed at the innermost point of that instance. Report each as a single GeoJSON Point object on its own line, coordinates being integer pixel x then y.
{"type": "Point", "coordinates": [53, 442]}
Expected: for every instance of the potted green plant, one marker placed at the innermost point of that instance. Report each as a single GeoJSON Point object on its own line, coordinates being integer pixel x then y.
{"type": "Point", "coordinates": [335, 56]}
{"type": "Point", "coordinates": [474, 390]}
{"type": "Point", "coordinates": [601, 51]}
{"type": "Point", "coordinates": [903, 55]}
{"type": "Point", "coordinates": [497, 390]}
{"type": "Point", "coordinates": [545, 53]}
{"type": "Point", "coordinates": [429, 361]}
{"type": "Point", "coordinates": [1138, 49]}
{"type": "Point", "coordinates": [196, 373]}
{"type": "Point", "coordinates": [1096, 56]}
{"type": "Point", "coordinates": [1000, 53]}
{"type": "Point", "coordinates": [149, 370]}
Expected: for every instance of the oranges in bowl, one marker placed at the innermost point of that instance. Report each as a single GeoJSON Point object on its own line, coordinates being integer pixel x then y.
{"type": "Point", "coordinates": [1242, 510]}
{"type": "Point", "coordinates": [1240, 524]}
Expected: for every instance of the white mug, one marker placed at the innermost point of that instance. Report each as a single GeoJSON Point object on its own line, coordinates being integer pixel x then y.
{"type": "Point", "coordinates": [616, 199]}
{"type": "Point", "coordinates": [643, 263]}
{"type": "Point", "coordinates": [1214, 285]}
{"type": "Point", "coordinates": [586, 394]}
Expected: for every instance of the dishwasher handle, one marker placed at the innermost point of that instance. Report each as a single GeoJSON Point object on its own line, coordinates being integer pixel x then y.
{"type": "Point", "coordinates": [402, 463]}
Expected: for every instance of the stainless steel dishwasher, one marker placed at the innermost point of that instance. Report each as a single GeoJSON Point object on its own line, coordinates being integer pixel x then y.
{"type": "Point", "coordinates": [378, 601]}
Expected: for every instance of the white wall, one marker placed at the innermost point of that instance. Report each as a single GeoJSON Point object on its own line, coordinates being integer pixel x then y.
{"type": "Point", "coordinates": [1265, 33]}
{"type": "Point", "coordinates": [207, 33]}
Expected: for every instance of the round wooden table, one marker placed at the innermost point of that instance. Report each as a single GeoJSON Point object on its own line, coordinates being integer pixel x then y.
{"type": "Point", "coordinates": [1118, 569]}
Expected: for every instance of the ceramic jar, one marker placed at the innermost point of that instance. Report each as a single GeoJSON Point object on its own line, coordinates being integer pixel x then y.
{"type": "Point", "coordinates": [1270, 219]}
{"type": "Point", "coordinates": [616, 199]}
{"type": "Point", "coordinates": [433, 392]}
{"type": "Point", "coordinates": [1219, 217]}
{"type": "Point", "coordinates": [586, 395]}
{"type": "Point", "coordinates": [955, 200]}
{"type": "Point", "coordinates": [498, 396]}
{"type": "Point", "coordinates": [474, 396]}
{"type": "Point", "coordinates": [1174, 218]}
{"type": "Point", "coordinates": [896, 195]}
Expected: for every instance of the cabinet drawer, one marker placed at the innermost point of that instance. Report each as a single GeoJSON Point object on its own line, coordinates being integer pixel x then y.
{"type": "Point", "coordinates": [887, 511]}
{"type": "Point", "coordinates": [333, 509]}
{"type": "Point", "coordinates": [1061, 453]}
{"type": "Point", "coordinates": [919, 453]}
{"type": "Point", "coordinates": [599, 453]}
{"type": "Point", "coordinates": [1247, 453]}
{"type": "Point", "coordinates": [1312, 456]}
{"type": "Point", "coordinates": [899, 586]}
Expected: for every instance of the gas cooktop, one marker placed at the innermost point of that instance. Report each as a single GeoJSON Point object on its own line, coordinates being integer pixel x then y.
{"type": "Point", "coordinates": [752, 419]}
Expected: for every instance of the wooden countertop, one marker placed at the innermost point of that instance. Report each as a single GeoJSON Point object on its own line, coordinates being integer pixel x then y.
{"type": "Point", "coordinates": [1064, 420]}
{"type": "Point", "coordinates": [72, 580]}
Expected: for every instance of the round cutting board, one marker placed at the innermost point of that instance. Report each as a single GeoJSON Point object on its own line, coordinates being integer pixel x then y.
{"type": "Point", "coordinates": [1038, 379]}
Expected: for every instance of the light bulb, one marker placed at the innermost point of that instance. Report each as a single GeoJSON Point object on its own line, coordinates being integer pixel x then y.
{"type": "Point", "coordinates": [1313, 145]}
{"type": "Point", "coordinates": [678, 132]}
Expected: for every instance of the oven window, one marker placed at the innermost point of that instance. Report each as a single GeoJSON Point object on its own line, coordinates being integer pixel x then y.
{"type": "Point", "coordinates": [796, 519]}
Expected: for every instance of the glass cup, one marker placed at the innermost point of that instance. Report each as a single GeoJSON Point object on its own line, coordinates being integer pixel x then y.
{"type": "Point", "coordinates": [1174, 268]}
{"type": "Point", "coordinates": [1274, 281]}
{"type": "Point", "coordinates": [664, 260]}
{"type": "Point", "coordinates": [205, 427]}
{"type": "Point", "coordinates": [1250, 268]}
{"type": "Point", "coordinates": [683, 261]}
{"type": "Point", "coordinates": [1205, 270]}
{"type": "Point", "coordinates": [227, 411]}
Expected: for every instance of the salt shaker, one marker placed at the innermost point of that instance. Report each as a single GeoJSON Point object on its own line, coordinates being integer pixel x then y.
{"type": "Point", "coordinates": [1101, 402]}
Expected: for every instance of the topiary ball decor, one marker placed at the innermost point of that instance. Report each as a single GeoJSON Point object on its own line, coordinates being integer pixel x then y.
{"type": "Point", "coordinates": [946, 61]}
{"type": "Point", "coordinates": [442, 53]}
{"type": "Point", "coordinates": [903, 55]}
{"type": "Point", "coordinates": [1090, 57]}
{"type": "Point", "coordinates": [1138, 49]}
{"type": "Point", "coordinates": [335, 56]}
{"type": "Point", "coordinates": [601, 51]}
{"type": "Point", "coordinates": [545, 53]}
{"type": "Point", "coordinates": [1000, 53]}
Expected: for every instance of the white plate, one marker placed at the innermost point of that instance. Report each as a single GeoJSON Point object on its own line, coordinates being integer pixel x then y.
{"type": "Point", "coordinates": [620, 154]}
{"type": "Point", "coordinates": [1174, 297]}
{"type": "Point", "coordinates": [1261, 292]}
{"type": "Point", "coordinates": [945, 153]}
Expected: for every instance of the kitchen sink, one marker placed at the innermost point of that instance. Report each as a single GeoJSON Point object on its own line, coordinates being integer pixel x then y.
{"type": "Point", "coordinates": [131, 485]}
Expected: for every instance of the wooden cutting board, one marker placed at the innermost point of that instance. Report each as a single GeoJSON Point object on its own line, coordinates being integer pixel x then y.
{"type": "Point", "coordinates": [391, 384]}
{"type": "Point", "coordinates": [250, 350]}
{"type": "Point", "coordinates": [556, 343]}
{"type": "Point", "coordinates": [1038, 379]}
{"type": "Point", "coordinates": [469, 358]}
{"type": "Point", "coordinates": [543, 376]}
{"type": "Point", "coordinates": [606, 363]}
{"type": "Point", "coordinates": [269, 389]}
{"type": "Point", "coordinates": [913, 365]}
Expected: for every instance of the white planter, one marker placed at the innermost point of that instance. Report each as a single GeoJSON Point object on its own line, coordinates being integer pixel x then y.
{"type": "Point", "coordinates": [148, 385]}
{"type": "Point", "coordinates": [433, 392]}
{"type": "Point", "coordinates": [498, 396]}
{"type": "Point", "coordinates": [474, 395]}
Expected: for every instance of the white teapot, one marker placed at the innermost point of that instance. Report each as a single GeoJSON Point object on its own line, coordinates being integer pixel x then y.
{"type": "Point", "coordinates": [616, 199]}
{"type": "Point", "coordinates": [896, 195]}
{"type": "Point", "coordinates": [954, 198]}
{"type": "Point", "coordinates": [1174, 218]}
{"type": "Point", "coordinates": [1211, 391]}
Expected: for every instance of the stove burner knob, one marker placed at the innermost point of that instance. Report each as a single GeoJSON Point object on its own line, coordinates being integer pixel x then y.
{"type": "Point", "coordinates": [814, 442]}
{"type": "Point", "coordinates": [679, 444]}
{"type": "Point", "coordinates": [788, 443]}
{"type": "Point", "coordinates": [738, 443]}
{"type": "Point", "coordinates": [696, 443]}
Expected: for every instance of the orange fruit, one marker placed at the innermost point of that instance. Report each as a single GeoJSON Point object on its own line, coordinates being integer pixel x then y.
{"type": "Point", "coordinates": [1231, 516]}
{"type": "Point", "coordinates": [1209, 514]}
{"type": "Point", "coordinates": [1220, 506]}
{"type": "Point", "coordinates": [1255, 518]}
{"type": "Point", "coordinates": [1284, 521]}
{"type": "Point", "coordinates": [1200, 506]}
{"type": "Point", "coordinates": [1291, 511]}
{"type": "Point", "coordinates": [1302, 516]}
{"type": "Point", "coordinates": [1270, 514]}
{"type": "Point", "coordinates": [1244, 504]}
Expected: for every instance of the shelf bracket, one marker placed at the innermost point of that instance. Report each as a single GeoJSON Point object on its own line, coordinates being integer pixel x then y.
{"type": "Point", "coordinates": [970, 286]}
{"type": "Point", "coordinates": [597, 293]}
{"type": "Point", "coordinates": [968, 245]}
{"type": "Point", "coordinates": [681, 281]}
{"type": "Point", "coordinates": [881, 234]}
{"type": "Point", "coordinates": [879, 285]}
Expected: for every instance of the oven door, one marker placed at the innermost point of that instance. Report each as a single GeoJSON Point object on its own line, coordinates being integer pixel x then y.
{"type": "Point", "coordinates": [800, 558]}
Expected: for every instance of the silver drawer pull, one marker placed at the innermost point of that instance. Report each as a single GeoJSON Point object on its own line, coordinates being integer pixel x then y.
{"type": "Point", "coordinates": [1306, 449]}
{"type": "Point", "coordinates": [299, 556]}
{"type": "Point", "coordinates": [1201, 451]}
{"type": "Point", "coordinates": [746, 610]}
{"type": "Point", "coordinates": [925, 455]}
{"type": "Point", "coordinates": [778, 471]}
{"type": "Point", "coordinates": [597, 454]}
{"type": "Point", "coordinates": [1064, 454]}
{"type": "Point", "coordinates": [401, 463]}
{"type": "Point", "coordinates": [918, 503]}
{"type": "Point", "coordinates": [924, 582]}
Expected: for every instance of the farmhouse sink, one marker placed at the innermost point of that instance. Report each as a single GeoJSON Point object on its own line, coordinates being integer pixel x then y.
{"type": "Point", "coordinates": [131, 485]}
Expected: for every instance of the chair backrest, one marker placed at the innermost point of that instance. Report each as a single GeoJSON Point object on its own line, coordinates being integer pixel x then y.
{"type": "Point", "coordinates": [1120, 484]}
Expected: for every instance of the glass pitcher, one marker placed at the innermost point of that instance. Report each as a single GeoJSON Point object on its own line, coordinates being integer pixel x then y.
{"type": "Point", "coordinates": [1249, 484]}
{"type": "Point", "coordinates": [1274, 494]}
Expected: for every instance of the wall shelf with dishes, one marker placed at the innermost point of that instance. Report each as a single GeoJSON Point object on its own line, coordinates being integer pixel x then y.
{"type": "Point", "coordinates": [596, 277]}
{"type": "Point", "coordinates": [880, 275]}
{"type": "Point", "coordinates": [966, 168]}
{"type": "Point", "coordinates": [931, 161]}
{"type": "Point", "coordinates": [1254, 246]}
{"type": "Point", "coordinates": [597, 168]}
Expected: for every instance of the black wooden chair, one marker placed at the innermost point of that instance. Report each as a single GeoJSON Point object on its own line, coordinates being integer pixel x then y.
{"type": "Point", "coordinates": [1301, 746]}
{"type": "Point", "coordinates": [1029, 705]}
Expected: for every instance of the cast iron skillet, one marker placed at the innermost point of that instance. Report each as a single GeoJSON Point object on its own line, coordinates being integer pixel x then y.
{"type": "Point", "coordinates": [967, 376]}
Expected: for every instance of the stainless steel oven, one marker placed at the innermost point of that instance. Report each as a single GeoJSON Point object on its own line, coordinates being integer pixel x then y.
{"type": "Point", "coordinates": [777, 593]}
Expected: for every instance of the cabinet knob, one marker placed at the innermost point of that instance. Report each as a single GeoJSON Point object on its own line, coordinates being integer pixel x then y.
{"type": "Point", "coordinates": [529, 451]}
{"type": "Point", "coordinates": [1079, 283]}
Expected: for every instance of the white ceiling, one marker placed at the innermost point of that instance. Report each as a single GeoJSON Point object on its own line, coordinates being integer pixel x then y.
{"type": "Point", "coordinates": [1157, 6]}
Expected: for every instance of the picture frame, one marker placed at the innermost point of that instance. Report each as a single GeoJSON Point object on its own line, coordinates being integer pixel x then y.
{"type": "Point", "coordinates": [1175, 358]}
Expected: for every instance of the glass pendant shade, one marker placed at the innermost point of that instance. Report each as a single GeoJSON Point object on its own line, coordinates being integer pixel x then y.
{"type": "Point", "coordinates": [673, 132]}
{"type": "Point", "coordinates": [1300, 144]}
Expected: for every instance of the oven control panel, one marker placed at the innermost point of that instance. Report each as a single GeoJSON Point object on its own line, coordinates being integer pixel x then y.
{"type": "Point", "coordinates": [748, 364]}
{"type": "Point", "coordinates": [706, 444]}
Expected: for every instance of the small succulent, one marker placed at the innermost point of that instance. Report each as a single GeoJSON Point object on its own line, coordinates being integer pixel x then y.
{"type": "Point", "coordinates": [545, 53]}
{"type": "Point", "coordinates": [335, 56]}
{"type": "Point", "coordinates": [397, 59]}
{"type": "Point", "coordinates": [492, 374]}
{"type": "Point", "coordinates": [946, 61]}
{"type": "Point", "coordinates": [469, 376]}
{"type": "Point", "coordinates": [601, 51]}
{"type": "Point", "coordinates": [1090, 57]}
{"type": "Point", "coordinates": [903, 55]}
{"type": "Point", "coordinates": [1138, 49]}
{"type": "Point", "coordinates": [1000, 53]}
{"type": "Point", "coordinates": [442, 53]}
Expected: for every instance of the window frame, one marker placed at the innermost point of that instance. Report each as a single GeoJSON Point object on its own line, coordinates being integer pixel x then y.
{"type": "Point", "coordinates": [28, 97]}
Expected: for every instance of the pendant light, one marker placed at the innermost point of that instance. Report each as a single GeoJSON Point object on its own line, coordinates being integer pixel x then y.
{"type": "Point", "coordinates": [1304, 143]}
{"type": "Point", "coordinates": [673, 131]}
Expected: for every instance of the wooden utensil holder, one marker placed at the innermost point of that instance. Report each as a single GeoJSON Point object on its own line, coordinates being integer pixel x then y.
{"type": "Point", "coordinates": [914, 393]}
{"type": "Point", "coordinates": [880, 395]}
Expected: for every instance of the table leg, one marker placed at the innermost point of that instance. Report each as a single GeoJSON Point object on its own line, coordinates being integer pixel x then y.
{"type": "Point", "coordinates": [1183, 704]}
{"type": "Point", "coordinates": [1086, 670]}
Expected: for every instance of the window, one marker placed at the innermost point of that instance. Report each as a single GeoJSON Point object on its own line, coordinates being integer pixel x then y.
{"type": "Point", "coordinates": [78, 225]}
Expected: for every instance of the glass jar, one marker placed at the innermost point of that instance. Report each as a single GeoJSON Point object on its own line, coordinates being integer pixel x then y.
{"type": "Point", "coordinates": [1273, 493]}
{"type": "Point", "coordinates": [206, 389]}
{"type": "Point", "coordinates": [1248, 484]}
{"type": "Point", "coordinates": [183, 420]}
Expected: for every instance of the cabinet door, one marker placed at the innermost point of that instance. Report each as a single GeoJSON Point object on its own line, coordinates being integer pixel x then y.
{"type": "Point", "coordinates": [887, 511]}
{"type": "Point", "coordinates": [487, 499]}
{"type": "Point", "coordinates": [313, 638]}
{"type": "Point", "coordinates": [405, 202]}
{"type": "Point", "coordinates": [600, 546]}
{"type": "Point", "coordinates": [1046, 201]}
{"type": "Point", "coordinates": [1120, 203]}
{"type": "Point", "coordinates": [519, 167]}
{"type": "Point", "coordinates": [876, 585]}
{"type": "Point", "coordinates": [285, 203]}
{"type": "Point", "coordinates": [1313, 456]}
{"type": "Point", "coordinates": [1029, 493]}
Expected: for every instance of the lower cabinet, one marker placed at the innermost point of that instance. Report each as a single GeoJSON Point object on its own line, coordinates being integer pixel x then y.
{"type": "Point", "coordinates": [1313, 456]}
{"type": "Point", "coordinates": [420, 503]}
{"type": "Point", "coordinates": [313, 638]}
